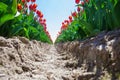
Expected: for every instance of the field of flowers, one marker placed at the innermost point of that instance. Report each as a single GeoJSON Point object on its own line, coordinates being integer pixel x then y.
{"type": "Point", "coordinates": [22, 18]}
{"type": "Point", "coordinates": [90, 18]}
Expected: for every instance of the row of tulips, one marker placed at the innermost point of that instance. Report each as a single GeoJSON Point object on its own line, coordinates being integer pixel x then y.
{"type": "Point", "coordinates": [90, 18]}
{"type": "Point", "coordinates": [64, 32]}
{"type": "Point", "coordinates": [29, 22]}
{"type": "Point", "coordinates": [73, 15]}
{"type": "Point", "coordinates": [39, 15]}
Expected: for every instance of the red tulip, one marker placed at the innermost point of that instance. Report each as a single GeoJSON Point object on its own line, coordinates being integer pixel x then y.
{"type": "Point", "coordinates": [86, 1]}
{"type": "Point", "coordinates": [64, 26]}
{"type": "Point", "coordinates": [82, 3]}
{"type": "Point", "coordinates": [33, 0]}
{"type": "Point", "coordinates": [28, 0]}
{"type": "Point", "coordinates": [23, 1]}
{"type": "Point", "coordinates": [44, 20]}
{"type": "Point", "coordinates": [62, 23]}
{"type": "Point", "coordinates": [38, 12]}
{"type": "Point", "coordinates": [66, 21]}
{"type": "Point", "coordinates": [74, 14]}
{"type": "Point", "coordinates": [34, 9]}
{"type": "Point", "coordinates": [77, 1]}
{"type": "Point", "coordinates": [47, 32]}
{"type": "Point", "coordinates": [30, 7]}
{"type": "Point", "coordinates": [45, 28]}
{"type": "Point", "coordinates": [78, 9]}
{"type": "Point", "coordinates": [41, 16]}
{"type": "Point", "coordinates": [40, 20]}
{"type": "Point", "coordinates": [70, 17]}
{"type": "Point", "coordinates": [34, 5]}
{"type": "Point", "coordinates": [19, 7]}
{"type": "Point", "coordinates": [25, 5]}
{"type": "Point", "coordinates": [44, 25]}
{"type": "Point", "coordinates": [71, 20]}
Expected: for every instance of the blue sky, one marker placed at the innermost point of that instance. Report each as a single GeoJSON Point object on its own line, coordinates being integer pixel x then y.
{"type": "Point", "coordinates": [55, 12]}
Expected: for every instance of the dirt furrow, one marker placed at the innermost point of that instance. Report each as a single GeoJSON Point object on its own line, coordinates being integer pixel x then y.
{"type": "Point", "coordinates": [21, 59]}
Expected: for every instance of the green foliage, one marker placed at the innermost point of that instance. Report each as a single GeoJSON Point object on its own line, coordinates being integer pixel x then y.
{"type": "Point", "coordinates": [98, 15]}
{"type": "Point", "coordinates": [7, 14]}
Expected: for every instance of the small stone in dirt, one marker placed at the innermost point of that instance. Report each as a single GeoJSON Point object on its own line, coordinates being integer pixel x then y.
{"type": "Point", "coordinates": [65, 78]}
{"type": "Point", "coordinates": [19, 71]}
{"type": "Point", "coordinates": [2, 75]}
{"type": "Point", "coordinates": [86, 76]}
{"type": "Point", "coordinates": [35, 71]}
{"type": "Point", "coordinates": [70, 64]}
{"type": "Point", "coordinates": [65, 58]}
{"type": "Point", "coordinates": [25, 68]}
{"type": "Point", "coordinates": [24, 40]}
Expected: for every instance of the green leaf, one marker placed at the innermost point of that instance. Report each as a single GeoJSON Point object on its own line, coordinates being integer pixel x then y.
{"type": "Point", "coordinates": [3, 8]}
{"type": "Point", "coordinates": [6, 18]}
{"type": "Point", "coordinates": [14, 7]}
{"type": "Point", "coordinates": [117, 13]}
{"type": "Point", "coordinates": [16, 30]}
{"type": "Point", "coordinates": [26, 32]}
{"type": "Point", "coordinates": [33, 32]}
{"type": "Point", "coordinates": [86, 26]}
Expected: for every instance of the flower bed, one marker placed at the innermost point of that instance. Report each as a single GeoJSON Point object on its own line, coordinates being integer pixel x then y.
{"type": "Point", "coordinates": [90, 18]}
{"type": "Point", "coordinates": [21, 18]}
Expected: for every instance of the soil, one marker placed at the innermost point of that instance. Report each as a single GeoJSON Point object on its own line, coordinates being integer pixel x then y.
{"type": "Point", "coordinates": [21, 59]}
{"type": "Point", "coordinates": [96, 58]}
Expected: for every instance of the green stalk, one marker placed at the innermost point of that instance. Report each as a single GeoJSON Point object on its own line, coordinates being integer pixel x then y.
{"type": "Point", "coordinates": [14, 7]}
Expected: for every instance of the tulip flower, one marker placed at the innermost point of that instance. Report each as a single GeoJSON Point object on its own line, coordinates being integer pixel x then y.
{"type": "Point", "coordinates": [25, 5]}
{"type": "Point", "coordinates": [64, 26]}
{"type": "Point", "coordinates": [33, 0]}
{"type": "Point", "coordinates": [70, 17]}
{"type": "Point", "coordinates": [77, 1]}
{"type": "Point", "coordinates": [30, 7]}
{"type": "Point", "coordinates": [40, 20]}
{"type": "Point", "coordinates": [44, 20]}
{"type": "Point", "coordinates": [34, 5]}
{"type": "Point", "coordinates": [23, 1]}
{"type": "Point", "coordinates": [66, 21]}
{"type": "Point", "coordinates": [74, 14]}
{"type": "Point", "coordinates": [82, 3]}
{"type": "Point", "coordinates": [45, 28]}
{"type": "Point", "coordinates": [28, 0]}
{"type": "Point", "coordinates": [19, 7]}
{"type": "Point", "coordinates": [78, 9]}
{"type": "Point", "coordinates": [41, 16]}
{"type": "Point", "coordinates": [86, 1]}
{"type": "Point", "coordinates": [39, 13]}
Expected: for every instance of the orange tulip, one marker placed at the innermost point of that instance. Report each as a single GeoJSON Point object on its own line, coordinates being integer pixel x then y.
{"type": "Point", "coordinates": [19, 7]}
